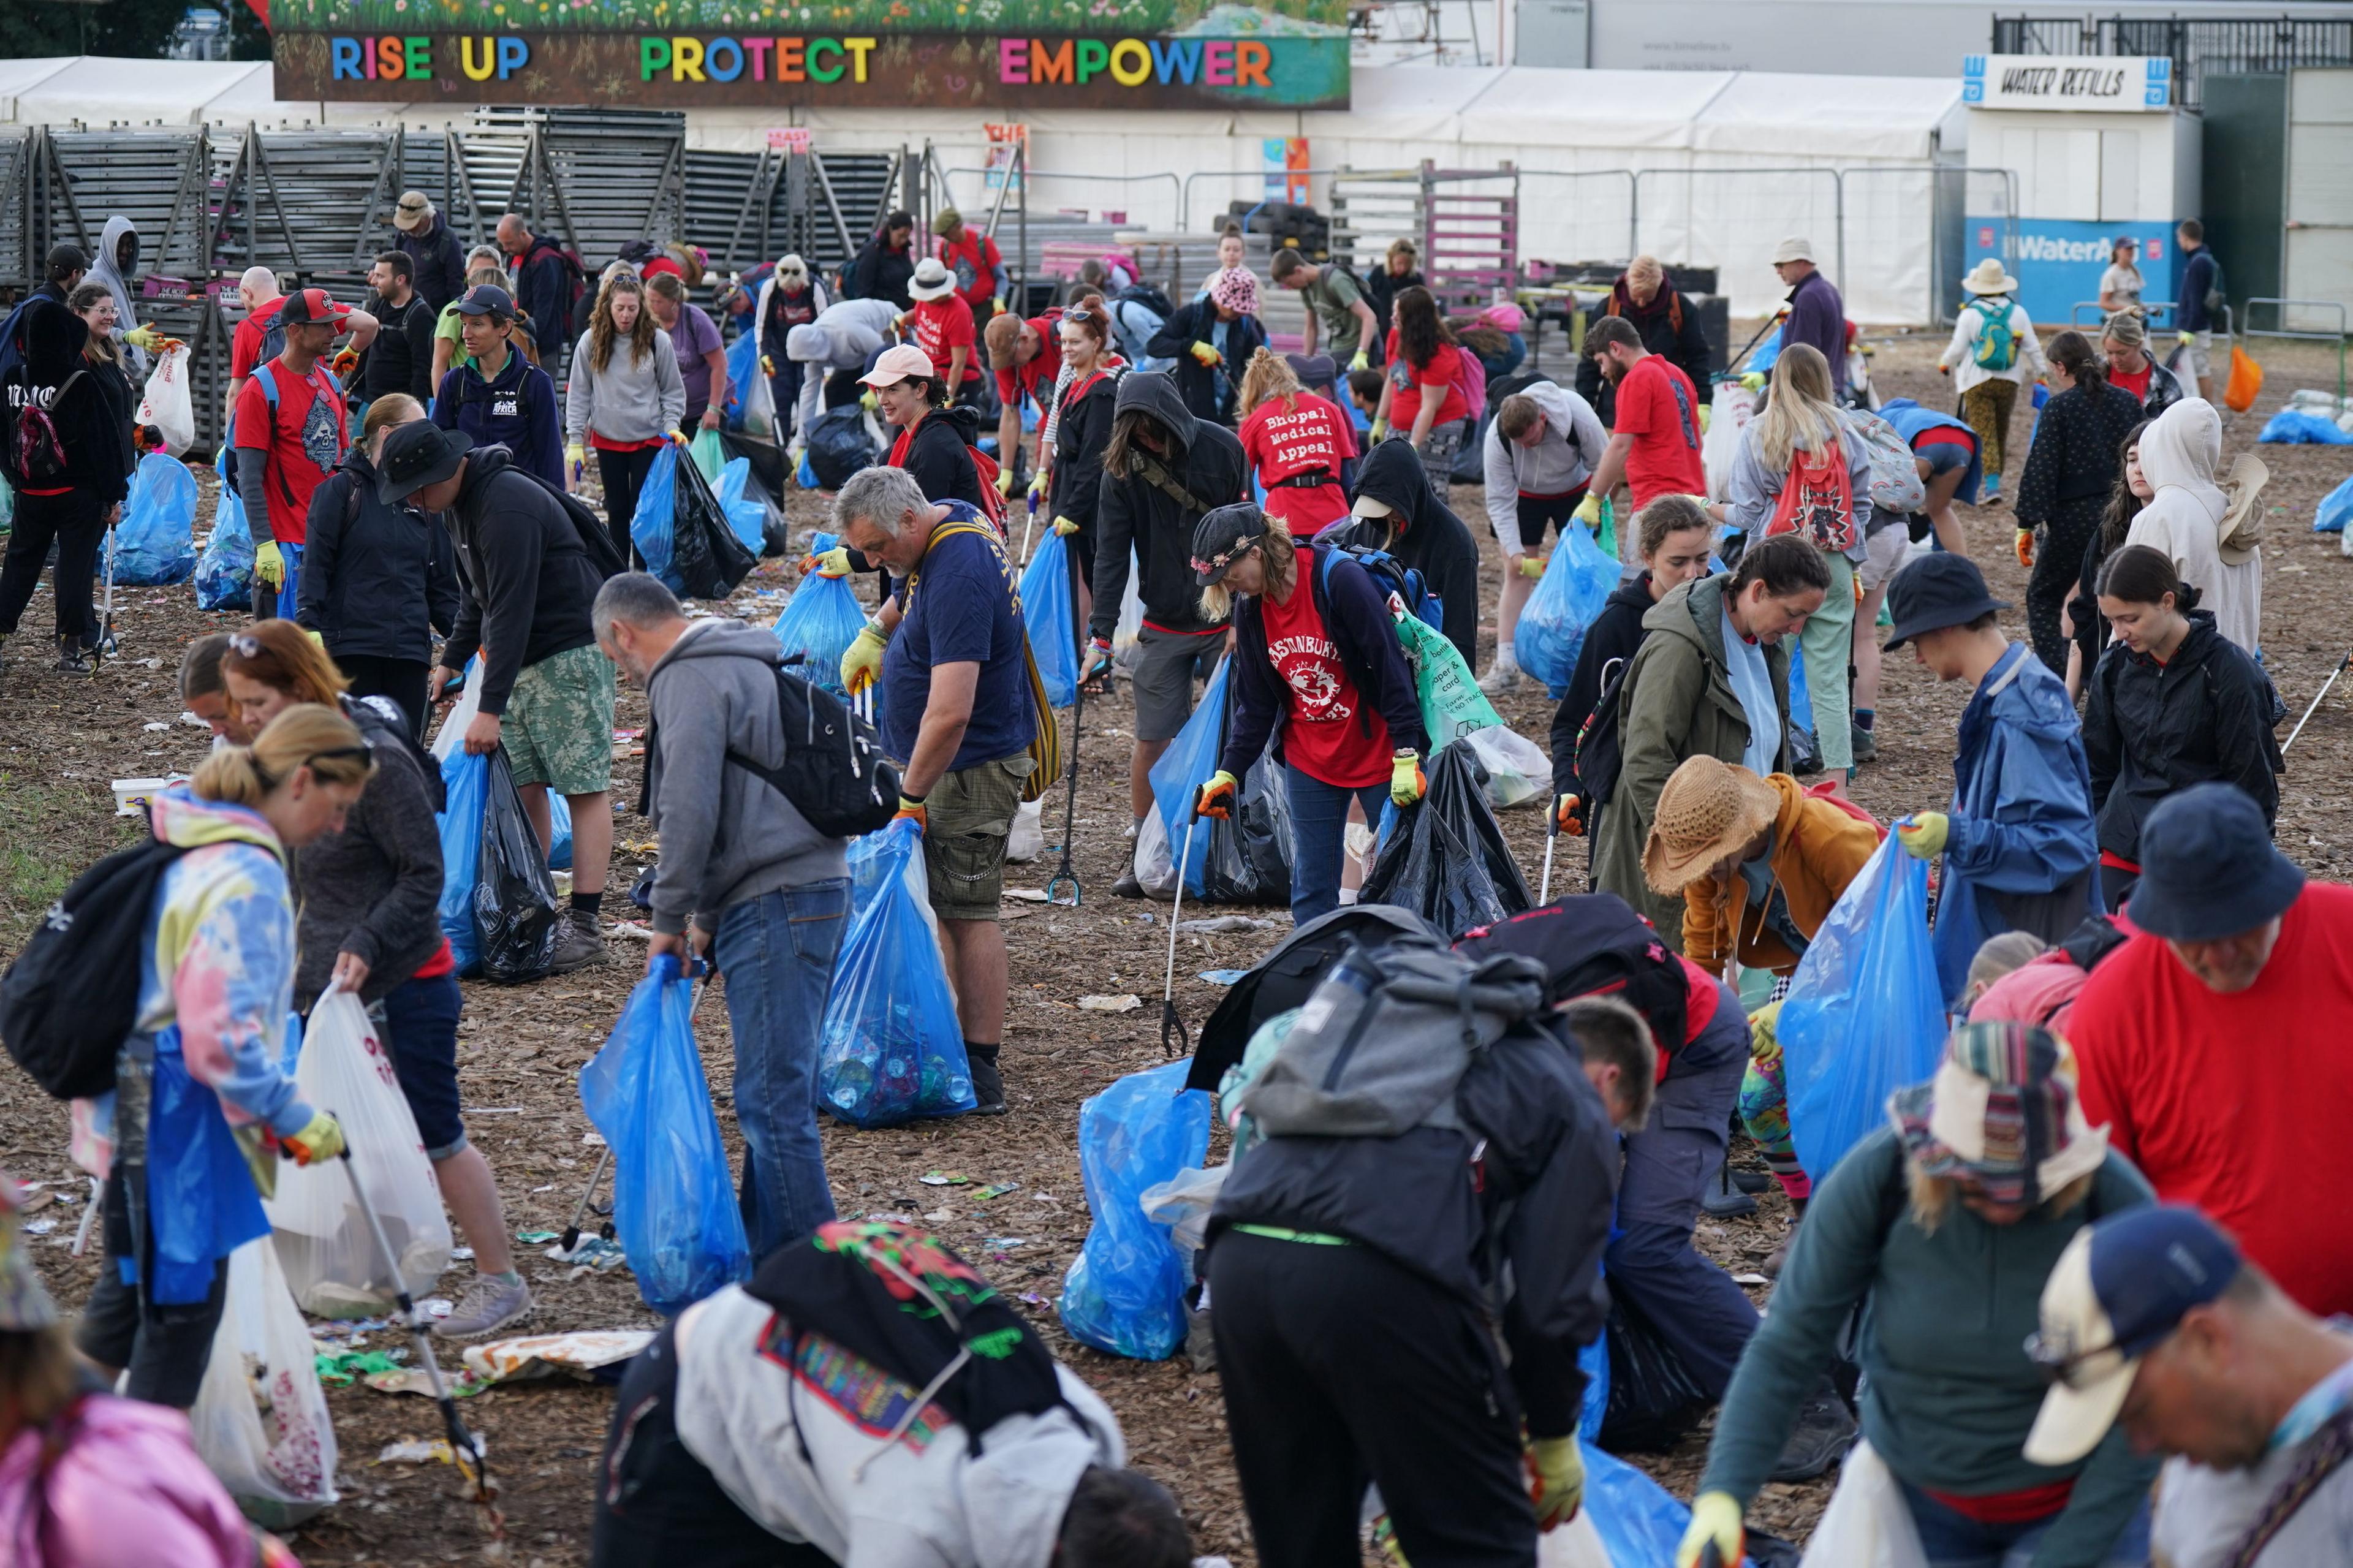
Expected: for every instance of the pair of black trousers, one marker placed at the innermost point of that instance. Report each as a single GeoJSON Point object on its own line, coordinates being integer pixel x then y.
{"type": "Point", "coordinates": [75, 522]}
{"type": "Point", "coordinates": [2052, 580]}
{"type": "Point", "coordinates": [402, 680]}
{"type": "Point", "coordinates": [623, 474]}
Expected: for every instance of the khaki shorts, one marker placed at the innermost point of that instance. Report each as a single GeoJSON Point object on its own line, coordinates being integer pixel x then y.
{"type": "Point", "coordinates": [558, 727]}
{"type": "Point", "coordinates": [970, 814]}
{"type": "Point", "coordinates": [2197, 358]}
{"type": "Point", "coordinates": [1882, 556]}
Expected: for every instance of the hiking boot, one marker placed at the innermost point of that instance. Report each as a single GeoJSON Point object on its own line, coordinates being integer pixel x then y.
{"type": "Point", "coordinates": [1752, 1182]}
{"type": "Point", "coordinates": [1127, 886]}
{"type": "Point", "coordinates": [1825, 1431]}
{"type": "Point", "coordinates": [1989, 491]}
{"type": "Point", "coordinates": [1722, 1200]}
{"type": "Point", "coordinates": [987, 1084]}
{"type": "Point", "coordinates": [75, 659]}
{"type": "Point", "coordinates": [580, 944]}
{"type": "Point", "coordinates": [1866, 745]}
{"type": "Point", "coordinates": [490, 1303]}
{"type": "Point", "coordinates": [1500, 679]}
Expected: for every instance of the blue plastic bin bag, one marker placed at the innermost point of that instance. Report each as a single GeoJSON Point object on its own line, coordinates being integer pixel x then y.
{"type": "Point", "coordinates": [1577, 583]}
{"type": "Point", "coordinates": [742, 363]}
{"type": "Point", "coordinates": [1184, 768]}
{"type": "Point", "coordinates": [1761, 360]}
{"type": "Point", "coordinates": [2296, 427]}
{"type": "Point", "coordinates": [805, 475]}
{"type": "Point", "coordinates": [1124, 1293]}
{"type": "Point", "coordinates": [155, 542]}
{"type": "Point", "coordinates": [674, 1208]}
{"type": "Point", "coordinates": [224, 570]}
{"type": "Point", "coordinates": [747, 515]}
{"type": "Point", "coordinates": [891, 1049]}
{"type": "Point", "coordinates": [650, 529]}
{"type": "Point", "coordinates": [1865, 1016]}
{"type": "Point", "coordinates": [1593, 1361]}
{"type": "Point", "coordinates": [1048, 614]}
{"type": "Point", "coordinates": [1637, 1519]}
{"type": "Point", "coordinates": [465, 782]}
{"type": "Point", "coordinates": [559, 851]}
{"type": "Point", "coordinates": [2336, 507]}
{"type": "Point", "coordinates": [819, 622]}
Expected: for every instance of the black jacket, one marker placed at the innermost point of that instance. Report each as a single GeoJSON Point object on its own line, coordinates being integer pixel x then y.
{"type": "Point", "coordinates": [401, 357]}
{"type": "Point", "coordinates": [543, 288]}
{"type": "Point", "coordinates": [528, 579]}
{"type": "Point", "coordinates": [377, 581]}
{"type": "Point", "coordinates": [91, 417]}
{"type": "Point", "coordinates": [120, 396]}
{"type": "Point", "coordinates": [2077, 456]}
{"type": "Point", "coordinates": [1428, 1198]}
{"type": "Point", "coordinates": [374, 889]}
{"type": "Point", "coordinates": [1134, 513]}
{"type": "Point", "coordinates": [1356, 615]}
{"type": "Point", "coordinates": [1421, 532]}
{"type": "Point", "coordinates": [1669, 326]}
{"type": "Point", "coordinates": [1609, 641]}
{"type": "Point", "coordinates": [438, 263]}
{"type": "Point", "coordinates": [1381, 290]}
{"type": "Point", "coordinates": [2150, 730]}
{"type": "Point", "coordinates": [1210, 389]}
{"type": "Point", "coordinates": [1079, 437]}
{"type": "Point", "coordinates": [939, 460]}
{"type": "Point", "coordinates": [879, 272]}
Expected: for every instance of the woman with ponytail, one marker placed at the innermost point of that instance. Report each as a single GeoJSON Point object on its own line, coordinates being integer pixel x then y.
{"type": "Point", "coordinates": [188, 1138]}
{"type": "Point", "coordinates": [1302, 448]}
{"type": "Point", "coordinates": [2071, 473]}
{"type": "Point", "coordinates": [2174, 703]}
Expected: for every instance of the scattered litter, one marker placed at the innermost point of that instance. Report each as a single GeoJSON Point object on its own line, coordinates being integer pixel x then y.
{"type": "Point", "coordinates": [1027, 894]}
{"type": "Point", "coordinates": [1750, 1279]}
{"type": "Point", "coordinates": [418, 1451]}
{"type": "Point", "coordinates": [40, 1228]}
{"type": "Point", "coordinates": [594, 1140]}
{"type": "Point", "coordinates": [36, 1202]}
{"type": "Point", "coordinates": [1223, 976]}
{"type": "Point", "coordinates": [939, 1216]}
{"type": "Point", "coordinates": [532, 1238]}
{"type": "Point", "coordinates": [152, 728]}
{"type": "Point", "coordinates": [494, 1110]}
{"type": "Point", "coordinates": [1003, 1243]}
{"type": "Point", "coordinates": [594, 1254]}
{"type": "Point", "coordinates": [996, 1190]}
{"type": "Point", "coordinates": [1032, 1298]}
{"type": "Point", "coordinates": [945, 1179]}
{"type": "Point", "coordinates": [340, 1369]}
{"type": "Point", "coordinates": [633, 931]}
{"type": "Point", "coordinates": [1127, 1004]}
{"type": "Point", "coordinates": [1219, 924]}
{"type": "Point", "coordinates": [460, 1382]}
{"type": "Point", "coordinates": [186, 718]}
{"type": "Point", "coordinates": [461, 1254]}
{"type": "Point", "coordinates": [544, 1187]}
{"type": "Point", "coordinates": [576, 1354]}
{"type": "Point", "coordinates": [435, 1307]}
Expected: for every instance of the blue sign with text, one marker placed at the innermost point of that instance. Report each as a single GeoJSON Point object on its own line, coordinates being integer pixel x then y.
{"type": "Point", "coordinates": [2059, 262]}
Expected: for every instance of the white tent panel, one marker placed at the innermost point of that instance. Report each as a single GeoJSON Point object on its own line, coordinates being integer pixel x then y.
{"type": "Point", "coordinates": [1846, 117]}
{"type": "Point", "coordinates": [1614, 109]}
{"type": "Point", "coordinates": [99, 92]}
{"type": "Point", "coordinates": [18, 76]}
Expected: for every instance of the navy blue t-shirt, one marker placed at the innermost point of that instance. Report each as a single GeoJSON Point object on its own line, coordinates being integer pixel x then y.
{"type": "Point", "coordinates": [964, 607]}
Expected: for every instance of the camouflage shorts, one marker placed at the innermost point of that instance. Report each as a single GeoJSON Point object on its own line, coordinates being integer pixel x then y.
{"type": "Point", "coordinates": [559, 726]}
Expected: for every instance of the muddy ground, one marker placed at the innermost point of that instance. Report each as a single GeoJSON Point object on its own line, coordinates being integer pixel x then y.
{"type": "Point", "coordinates": [62, 739]}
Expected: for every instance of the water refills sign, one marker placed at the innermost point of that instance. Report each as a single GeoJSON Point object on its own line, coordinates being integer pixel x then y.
{"type": "Point", "coordinates": [710, 54]}
{"type": "Point", "coordinates": [2119, 84]}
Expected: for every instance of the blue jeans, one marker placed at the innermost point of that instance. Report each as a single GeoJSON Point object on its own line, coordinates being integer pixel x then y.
{"type": "Point", "coordinates": [1953, 1540]}
{"type": "Point", "coordinates": [1319, 829]}
{"type": "Point", "coordinates": [777, 952]}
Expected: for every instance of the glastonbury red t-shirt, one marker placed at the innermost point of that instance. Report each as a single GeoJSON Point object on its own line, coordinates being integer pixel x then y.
{"type": "Point", "coordinates": [975, 264]}
{"type": "Point", "coordinates": [305, 439]}
{"type": "Point", "coordinates": [1325, 737]}
{"type": "Point", "coordinates": [941, 327]}
{"type": "Point", "coordinates": [1283, 442]}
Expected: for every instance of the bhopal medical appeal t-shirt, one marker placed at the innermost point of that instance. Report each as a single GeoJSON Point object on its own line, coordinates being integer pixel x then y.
{"type": "Point", "coordinates": [1657, 407]}
{"type": "Point", "coordinates": [1326, 736]}
{"type": "Point", "coordinates": [1282, 442]}
{"type": "Point", "coordinates": [960, 610]}
{"type": "Point", "coordinates": [305, 436]}
{"type": "Point", "coordinates": [941, 327]}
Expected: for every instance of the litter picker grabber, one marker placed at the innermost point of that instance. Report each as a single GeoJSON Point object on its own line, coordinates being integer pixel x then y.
{"type": "Point", "coordinates": [1732, 372]}
{"type": "Point", "coordinates": [1171, 1026]}
{"type": "Point", "coordinates": [1552, 842]}
{"type": "Point", "coordinates": [2308, 712]}
{"type": "Point", "coordinates": [604, 1159]}
{"type": "Point", "coordinates": [1066, 872]}
{"type": "Point", "coordinates": [1029, 528]}
{"type": "Point", "coordinates": [107, 642]}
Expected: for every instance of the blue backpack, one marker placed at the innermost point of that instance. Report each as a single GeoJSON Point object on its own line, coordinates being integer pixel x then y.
{"type": "Point", "coordinates": [1389, 575]}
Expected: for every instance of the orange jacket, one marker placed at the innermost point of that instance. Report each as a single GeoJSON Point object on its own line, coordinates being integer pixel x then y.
{"type": "Point", "coordinates": [1818, 848]}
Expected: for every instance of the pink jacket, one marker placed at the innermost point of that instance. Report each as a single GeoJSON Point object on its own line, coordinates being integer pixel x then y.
{"type": "Point", "coordinates": [127, 1491]}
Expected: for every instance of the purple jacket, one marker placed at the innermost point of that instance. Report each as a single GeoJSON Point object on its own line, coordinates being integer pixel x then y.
{"type": "Point", "coordinates": [126, 1489]}
{"type": "Point", "coordinates": [1818, 316]}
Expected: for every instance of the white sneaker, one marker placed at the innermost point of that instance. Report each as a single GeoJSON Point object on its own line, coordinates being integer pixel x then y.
{"type": "Point", "coordinates": [1500, 679]}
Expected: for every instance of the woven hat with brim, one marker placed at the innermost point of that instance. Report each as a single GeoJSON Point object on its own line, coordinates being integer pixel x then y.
{"type": "Point", "coordinates": [25, 1303]}
{"type": "Point", "coordinates": [2000, 1113]}
{"type": "Point", "coordinates": [945, 220]}
{"type": "Point", "coordinates": [931, 279]}
{"type": "Point", "coordinates": [415, 211]}
{"type": "Point", "coordinates": [903, 361]}
{"type": "Point", "coordinates": [2209, 868]}
{"type": "Point", "coordinates": [1990, 277]}
{"type": "Point", "coordinates": [1709, 811]}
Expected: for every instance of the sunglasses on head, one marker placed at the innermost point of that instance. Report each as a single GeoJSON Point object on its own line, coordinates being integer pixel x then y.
{"type": "Point", "coordinates": [2057, 1359]}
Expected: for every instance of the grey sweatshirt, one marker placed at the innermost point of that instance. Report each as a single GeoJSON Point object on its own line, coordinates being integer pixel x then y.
{"type": "Point", "coordinates": [628, 400]}
{"type": "Point", "coordinates": [1572, 442]}
{"type": "Point", "coordinates": [727, 835]}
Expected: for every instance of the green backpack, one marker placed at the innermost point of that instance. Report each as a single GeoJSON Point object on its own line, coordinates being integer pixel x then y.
{"type": "Point", "coordinates": [1997, 346]}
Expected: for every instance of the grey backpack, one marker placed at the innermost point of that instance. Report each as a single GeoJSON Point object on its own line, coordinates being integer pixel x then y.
{"type": "Point", "coordinates": [1381, 1045]}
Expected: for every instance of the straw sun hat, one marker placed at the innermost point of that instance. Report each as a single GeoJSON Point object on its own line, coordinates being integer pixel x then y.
{"type": "Point", "coordinates": [1709, 811]}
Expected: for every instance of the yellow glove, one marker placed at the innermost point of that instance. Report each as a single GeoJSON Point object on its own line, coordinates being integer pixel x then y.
{"type": "Point", "coordinates": [1036, 490]}
{"type": "Point", "coordinates": [1702, 418]}
{"type": "Point", "coordinates": [1064, 526]}
{"type": "Point", "coordinates": [912, 810]}
{"type": "Point", "coordinates": [2187, 339]}
{"type": "Point", "coordinates": [141, 337]}
{"type": "Point", "coordinates": [322, 1137]}
{"type": "Point", "coordinates": [833, 562]}
{"type": "Point", "coordinates": [868, 401]}
{"type": "Point", "coordinates": [1557, 1480]}
{"type": "Point", "coordinates": [577, 456]}
{"type": "Point", "coordinates": [267, 565]}
{"type": "Point", "coordinates": [1364, 360]}
{"type": "Point", "coordinates": [1923, 834]}
{"type": "Point", "coordinates": [998, 304]}
{"type": "Point", "coordinates": [767, 364]}
{"type": "Point", "coordinates": [1216, 798]}
{"type": "Point", "coordinates": [1589, 510]}
{"type": "Point", "coordinates": [1005, 482]}
{"type": "Point", "coordinates": [862, 666]}
{"type": "Point", "coordinates": [1533, 566]}
{"type": "Point", "coordinates": [1381, 431]}
{"type": "Point", "coordinates": [1715, 1520]}
{"type": "Point", "coordinates": [1206, 353]}
{"type": "Point", "coordinates": [1754, 381]}
{"type": "Point", "coordinates": [1406, 781]}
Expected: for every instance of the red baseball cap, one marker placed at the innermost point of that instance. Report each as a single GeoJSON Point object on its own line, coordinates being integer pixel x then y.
{"type": "Point", "coordinates": [314, 307]}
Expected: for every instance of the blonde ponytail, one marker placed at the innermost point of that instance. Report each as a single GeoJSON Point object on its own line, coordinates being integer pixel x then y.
{"type": "Point", "coordinates": [306, 735]}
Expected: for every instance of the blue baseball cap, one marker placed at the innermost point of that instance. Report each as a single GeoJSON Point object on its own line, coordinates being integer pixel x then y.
{"type": "Point", "coordinates": [2121, 1286]}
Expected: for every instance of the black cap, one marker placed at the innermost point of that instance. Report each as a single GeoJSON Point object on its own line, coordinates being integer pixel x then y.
{"type": "Point", "coordinates": [2209, 868]}
{"type": "Point", "coordinates": [1936, 592]}
{"type": "Point", "coordinates": [313, 308]}
{"type": "Point", "coordinates": [1221, 536]}
{"type": "Point", "coordinates": [417, 454]}
{"type": "Point", "coordinates": [65, 260]}
{"type": "Point", "coordinates": [487, 300]}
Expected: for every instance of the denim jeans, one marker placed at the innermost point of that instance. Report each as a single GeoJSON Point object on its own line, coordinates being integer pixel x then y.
{"type": "Point", "coordinates": [1319, 828]}
{"type": "Point", "coordinates": [1952, 1539]}
{"type": "Point", "coordinates": [776, 954]}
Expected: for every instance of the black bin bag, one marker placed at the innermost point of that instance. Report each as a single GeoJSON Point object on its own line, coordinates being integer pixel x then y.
{"type": "Point", "coordinates": [1249, 857]}
{"type": "Point", "coordinates": [514, 896]}
{"type": "Point", "coordinates": [706, 557]}
{"type": "Point", "coordinates": [1446, 860]}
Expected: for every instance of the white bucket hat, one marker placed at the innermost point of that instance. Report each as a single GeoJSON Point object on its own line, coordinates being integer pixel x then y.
{"type": "Point", "coordinates": [931, 279]}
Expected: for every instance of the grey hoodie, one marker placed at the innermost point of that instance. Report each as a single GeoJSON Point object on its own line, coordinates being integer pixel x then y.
{"type": "Point", "coordinates": [1564, 460]}
{"type": "Point", "coordinates": [726, 835]}
{"type": "Point", "coordinates": [103, 269]}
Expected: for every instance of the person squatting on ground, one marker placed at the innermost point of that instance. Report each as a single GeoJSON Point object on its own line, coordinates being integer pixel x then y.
{"type": "Point", "coordinates": [1994, 352]}
{"type": "Point", "coordinates": [1655, 435]}
{"type": "Point", "coordinates": [2071, 471]}
{"type": "Point", "coordinates": [744, 879]}
{"type": "Point", "coordinates": [1394, 509]}
{"type": "Point", "coordinates": [1942, 1227]}
{"type": "Point", "coordinates": [624, 405]}
{"type": "Point", "coordinates": [1318, 673]}
{"type": "Point", "coordinates": [291, 432]}
{"type": "Point", "coordinates": [956, 706]}
{"type": "Point", "coordinates": [1537, 456]}
{"type": "Point", "coordinates": [545, 693]}
{"type": "Point", "coordinates": [2017, 840]}
{"type": "Point", "coordinates": [202, 1102]}
{"type": "Point", "coordinates": [204, 691]}
{"type": "Point", "coordinates": [2154, 1323]}
{"type": "Point", "coordinates": [367, 896]}
{"type": "Point", "coordinates": [1424, 397]}
{"type": "Point", "coordinates": [1164, 470]}
{"type": "Point", "coordinates": [1711, 678]}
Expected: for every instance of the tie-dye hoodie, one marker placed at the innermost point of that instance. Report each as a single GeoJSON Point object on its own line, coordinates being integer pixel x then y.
{"type": "Point", "coordinates": [219, 963]}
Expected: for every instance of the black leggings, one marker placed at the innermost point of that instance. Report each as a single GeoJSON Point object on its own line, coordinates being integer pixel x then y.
{"type": "Point", "coordinates": [623, 474]}
{"type": "Point", "coordinates": [402, 680]}
{"type": "Point", "coordinates": [73, 521]}
{"type": "Point", "coordinates": [2051, 583]}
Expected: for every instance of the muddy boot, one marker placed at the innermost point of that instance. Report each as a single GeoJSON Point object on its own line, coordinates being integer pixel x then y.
{"type": "Point", "coordinates": [1722, 1200]}
{"type": "Point", "coordinates": [580, 944]}
{"type": "Point", "coordinates": [75, 659]}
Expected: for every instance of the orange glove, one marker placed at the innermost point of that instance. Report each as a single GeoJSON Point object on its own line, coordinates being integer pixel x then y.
{"type": "Point", "coordinates": [913, 809]}
{"type": "Point", "coordinates": [2026, 547]}
{"type": "Point", "coordinates": [1216, 798]}
{"type": "Point", "coordinates": [1567, 814]}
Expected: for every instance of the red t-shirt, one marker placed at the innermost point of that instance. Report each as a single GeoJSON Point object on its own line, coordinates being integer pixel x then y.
{"type": "Point", "coordinates": [1405, 401]}
{"type": "Point", "coordinates": [941, 327]}
{"type": "Point", "coordinates": [2137, 382]}
{"type": "Point", "coordinates": [1282, 443]}
{"type": "Point", "coordinates": [975, 264]}
{"type": "Point", "coordinates": [245, 342]}
{"type": "Point", "coordinates": [1657, 407]}
{"type": "Point", "coordinates": [2235, 1103]}
{"type": "Point", "coordinates": [1326, 737]}
{"type": "Point", "coordinates": [304, 437]}
{"type": "Point", "coordinates": [1035, 380]}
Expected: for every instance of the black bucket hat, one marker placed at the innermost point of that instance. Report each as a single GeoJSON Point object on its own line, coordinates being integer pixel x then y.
{"type": "Point", "coordinates": [1221, 536]}
{"type": "Point", "coordinates": [1936, 592]}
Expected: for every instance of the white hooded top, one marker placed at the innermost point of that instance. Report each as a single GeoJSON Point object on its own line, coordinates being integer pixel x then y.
{"type": "Point", "coordinates": [2180, 454]}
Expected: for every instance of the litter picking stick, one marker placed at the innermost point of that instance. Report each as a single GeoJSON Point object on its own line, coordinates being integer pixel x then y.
{"type": "Point", "coordinates": [1552, 842]}
{"type": "Point", "coordinates": [605, 1162]}
{"type": "Point", "coordinates": [107, 643]}
{"type": "Point", "coordinates": [1027, 527]}
{"type": "Point", "coordinates": [1170, 1023]}
{"type": "Point", "coordinates": [1065, 873]}
{"type": "Point", "coordinates": [2308, 712]}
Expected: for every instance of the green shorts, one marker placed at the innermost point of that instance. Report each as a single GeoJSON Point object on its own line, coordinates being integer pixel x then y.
{"type": "Point", "coordinates": [559, 726]}
{"type": "Point", "coordinates": [970, 813]}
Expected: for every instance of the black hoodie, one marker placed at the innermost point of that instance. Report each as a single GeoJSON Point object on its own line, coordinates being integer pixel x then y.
{"type": "Point", "coordinates": [1210, 389]}
{"type": "Point", "coordinates": [1421, 532]}
{"type": "Point", "coordinates": [377, 581]}
{"type": "Point", "coordinates": [1611, 639]}
{"type": "Point", "coordinates": [529, 580]}
{"type": "Point", "coordinates": [938, 459]}
{"type": "Point", "coordinates": [90, 416]}
{"type": "Point", "coordinates": [1135, 513]}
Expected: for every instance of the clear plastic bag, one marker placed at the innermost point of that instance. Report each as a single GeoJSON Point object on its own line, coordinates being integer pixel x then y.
{"type": "Point", "coordinates": [1865, 1015]}
{"type": "Point", "coordinates": [168, 405]}
{"type": "Point", "coordinates": [1734, 405]}
{"type": "Point", "coordinates": [674, 1209]}
{"type": "Point", "coordinates": [1867, 1524]}
{"type": "Point", "coordinates": [1517, 769]}
{"type": "Point", "coordinates": [891, 1049]}
{"type": "Point", "coordinates": [155, 542]}
{"type": "Point", "coordinates": [261, 1421]}
{"type": "Point", "coordinates": [1048, 614]}
{"type": "Point", "coordinates": [1577, 583]}
{"type": "Point", "coordinates": [747, 514]}
{"type": "Point", "coordinates": [1124, 1293]}
{"type": "Point", "coordinates": [819, 622]}
{"type": "Point", "coordinates": [751, 403]}
{"type": "Point", "coordinates": [224, 570]}
{"type": "Point", "coordinates": [324, 1244]}
{"type": "Point", "coordinates": [1027, 839]}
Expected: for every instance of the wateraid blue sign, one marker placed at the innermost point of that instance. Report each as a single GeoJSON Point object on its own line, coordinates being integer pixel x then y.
{"type": "Point", "coordinates": [2059, 262]}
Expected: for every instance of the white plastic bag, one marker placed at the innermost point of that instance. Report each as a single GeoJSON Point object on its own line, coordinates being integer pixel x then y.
{"type": "Point", "coordinates": [1576, 1544]}
{"type": "Point", "coordinates": [323, 1241]}
{"type": "Point", "coordinates": [1027, 839]}
{"type": "Point", "coordinates": [1517, 771]}
{"type": "Point", "coordinates": [260, 1420]}
{"type": "Point", "coordinates": [1867, 1524]}
{"type": "Point", "coordinates": [452, 733]}
{"type": "Point", "coordinates": [759, 403]}
{"type": "Point", "coordinates": [1155, 867]}
{"type": "Point", "coordinates": [168, 405]}
{"type": "Point", "coordinates": [1183, 1203]}
{"type": "Point", "coordinates": [1728, 415]}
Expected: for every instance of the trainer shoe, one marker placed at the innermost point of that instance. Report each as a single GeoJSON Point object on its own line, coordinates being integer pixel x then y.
{"type": "Point", "coordinates": [988, 1085]}
{"type": "Point", "coordinates": [580, 945]}
{"type": "Point", "coordinates": [1866, 744]}
{"type": "Point", "coordinates": [1500, 679]}
{"type": "Point", "coordinates": [74, 659]}
{"type": "Point", "coordinates": [1127, 886]}
{"type": "Point", "coordinates": [490, 1303]}
{"type": "Point", "coordinates": [1825, 1431]}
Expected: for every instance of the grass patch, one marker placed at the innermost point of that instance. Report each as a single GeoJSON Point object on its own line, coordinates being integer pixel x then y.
{"type": "Point", "coordinates": [48, 835]}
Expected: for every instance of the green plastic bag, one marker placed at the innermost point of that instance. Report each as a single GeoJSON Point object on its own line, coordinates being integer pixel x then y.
{"type": "Point", "coordinates": [1451, 704]}
{"type": "Point", "coordinates": [710, 454]}
{"type": "Point", "coordinates": [1606, 534]}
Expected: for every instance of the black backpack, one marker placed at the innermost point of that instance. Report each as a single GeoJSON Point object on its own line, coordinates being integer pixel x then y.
{"type": "Point", "coordinates": [595, 541]}
{"type": "Point", "coordinates": [1285, 978]}
{"type": "Point", "coordinates": [834, 771]}
{"type": "Point", "coordinates": [382, 723]}
{"type": "Point", "coordinates": [72, 998]}
{"type": "Point", "coordinates": [1145, 295]}
{"type": "Point", "coordinates": [1594, 944]}
{"type": "Point", "coordinates": [1600, 756]}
